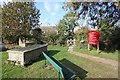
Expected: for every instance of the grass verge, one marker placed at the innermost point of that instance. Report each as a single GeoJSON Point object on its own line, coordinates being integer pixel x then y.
{"type": "Point", "coordinates": [110, 55]}
{"type": "Point", "coordinates": [83, 67]}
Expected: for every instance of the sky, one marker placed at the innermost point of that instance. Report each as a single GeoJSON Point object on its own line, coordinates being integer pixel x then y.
{"type": "Point", "coordinates": [51, 12]}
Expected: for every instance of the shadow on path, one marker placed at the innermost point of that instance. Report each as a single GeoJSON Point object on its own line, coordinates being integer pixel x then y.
{"type": "Point", "coordinates": [81, 73]}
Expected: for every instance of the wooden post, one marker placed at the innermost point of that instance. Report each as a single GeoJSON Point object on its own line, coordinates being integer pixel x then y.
{"type": "Point", "coordinates": [88, 46]}
{"type": "Point", "coordinates": [98, 48]}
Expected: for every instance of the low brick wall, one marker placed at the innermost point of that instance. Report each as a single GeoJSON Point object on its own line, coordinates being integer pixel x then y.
{"type": "Point", "coordinates": [26, 55]}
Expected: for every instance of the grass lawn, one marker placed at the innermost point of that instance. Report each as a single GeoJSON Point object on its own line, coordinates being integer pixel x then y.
{"type": "Point", "coordinates": [83, 67]}
{"type": "Point", "coordinates": [110, 55]}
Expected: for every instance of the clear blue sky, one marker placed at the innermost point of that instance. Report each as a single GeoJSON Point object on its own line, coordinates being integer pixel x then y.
{"type": "Point", "coordinates": [51, 12]}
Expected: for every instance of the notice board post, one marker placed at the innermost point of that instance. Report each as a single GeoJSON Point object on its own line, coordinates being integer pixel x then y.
{"type": "Point", "coordinates": [93, 39]}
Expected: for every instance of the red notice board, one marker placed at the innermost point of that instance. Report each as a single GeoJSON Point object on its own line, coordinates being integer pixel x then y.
{"type": "Point", "coordinates": [93, 37]}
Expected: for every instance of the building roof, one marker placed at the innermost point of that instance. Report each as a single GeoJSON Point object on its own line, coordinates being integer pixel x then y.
{"type": "Point", "coordinates": [48, 28]}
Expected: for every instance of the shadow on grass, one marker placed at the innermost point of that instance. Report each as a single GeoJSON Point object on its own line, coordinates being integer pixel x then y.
{"type": "Point", "coordinates": [41, 57]}
{"type": "Point", "coordinates": [119, 55]}
{"type": "Point", "coordinates": [53, 52]}
{"type": "Point", "coordinates": [81, 73]}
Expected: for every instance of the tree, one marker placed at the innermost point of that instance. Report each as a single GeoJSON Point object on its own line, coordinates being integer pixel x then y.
{"type": "Point", "coordinates": [51, 37]}
{"type": "Point", "coordinates": [0, 24]}
{"type": "Point", "coordinates": [109, 36]}
{"type": "Point", "coordinates": [70, 23]}
{"type": "Point", "coordinates": [18, 19]}
{"type": "Point", "coordinates": [94, 12]}
{"type": "Point", "coordinates": [66, 27]}
{"type": "Point", "coordinates": [81, 33]}
{"type": "Point", "coordinates": [61, 32]}
{"type": "Point", "coordinates": [101, 15]}
{"type": "Point", "coordinates": [37, 35]}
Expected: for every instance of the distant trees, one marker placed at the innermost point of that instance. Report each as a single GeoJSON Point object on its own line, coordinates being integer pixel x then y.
{"type": "Point", "coordinates": [18, 18]}
{"type": "Point", "coordinates": [65, 29]}
{"type": "Point", "coordinates": [50, 36]}
{"type": "Point", "coordinates": [36, 35]}
{"type": "Point", "coordinates": [81, 34]}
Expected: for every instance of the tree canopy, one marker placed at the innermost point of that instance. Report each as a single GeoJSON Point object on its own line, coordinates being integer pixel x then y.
{"type": "Point", "coordinates": [101, 16]}
{"type": "Point", "coordinates": [18, 18]}
{"type": "Point", "coordinates": [93, 12]}
{"type": "Point", "coordinates": [67, 24]}
{"type": "Point", "coordinates": [66, 27]}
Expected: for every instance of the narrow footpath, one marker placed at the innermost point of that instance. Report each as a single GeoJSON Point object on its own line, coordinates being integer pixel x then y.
{"type": "Point", "coordinates": [98, 59]}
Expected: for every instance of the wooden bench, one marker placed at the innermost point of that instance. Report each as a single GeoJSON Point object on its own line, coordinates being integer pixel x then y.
{"type": "Point", "coordinates": [66, 73]}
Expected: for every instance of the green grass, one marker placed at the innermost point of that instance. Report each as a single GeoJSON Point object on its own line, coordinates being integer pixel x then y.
{"type": "Point", "coordinates": [110, 55]}
{"type": "Point", "coordinates": [81, 66]}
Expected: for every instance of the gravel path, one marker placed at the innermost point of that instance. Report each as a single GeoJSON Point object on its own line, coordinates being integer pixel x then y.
{"type": "Point", "coordinates": [98, 59]}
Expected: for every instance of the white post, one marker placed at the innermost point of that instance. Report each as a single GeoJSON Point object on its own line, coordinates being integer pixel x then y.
{"type": "Point", "coordinates": [21, 43]}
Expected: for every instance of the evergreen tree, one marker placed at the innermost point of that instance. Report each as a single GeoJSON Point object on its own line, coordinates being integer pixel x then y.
{"type": "Point", "coordinates": [18, 19]}
{"type": "Point", "coordinates": [66, 27]}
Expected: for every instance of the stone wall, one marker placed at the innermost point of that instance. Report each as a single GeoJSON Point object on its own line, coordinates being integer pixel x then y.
{"type": "Point", "coordinates": [26, 55]}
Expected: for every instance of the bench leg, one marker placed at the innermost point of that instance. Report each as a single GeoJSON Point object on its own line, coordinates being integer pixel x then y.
{"type": "Point", "coordinates": [58, 75]}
